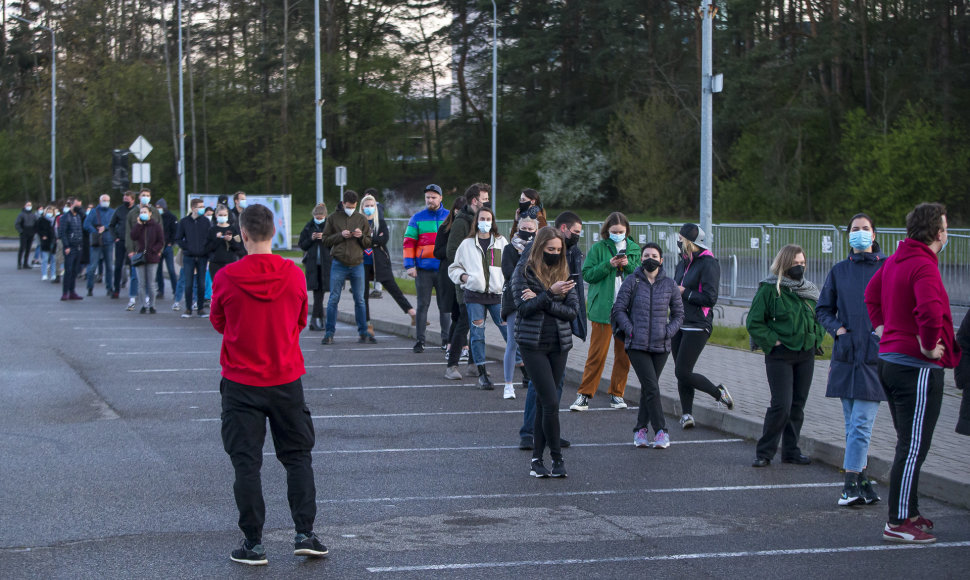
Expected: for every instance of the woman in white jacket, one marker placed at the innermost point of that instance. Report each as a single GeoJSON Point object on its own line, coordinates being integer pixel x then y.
{"type": "Point", "coordinates": [477, 270]}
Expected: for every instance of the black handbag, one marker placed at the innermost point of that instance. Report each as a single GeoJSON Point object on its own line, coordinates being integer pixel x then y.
{"type": "Point", "coordinates": [138, 259]}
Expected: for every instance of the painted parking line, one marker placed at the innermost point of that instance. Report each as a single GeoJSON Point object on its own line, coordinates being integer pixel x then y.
{"type": "Point", "coordinates": [355, 388]}
{"type": "Point", "coordinates": [601, 492]}
{"type": "Point", "coordinates": [181, 352]}
{"type": "Point", "coordinates": [142, 371]}
{"type": "Point", "coordinates": [438, 414]}
{"type": "Point", "coordinates": [497, 447]}
{"type": "Point", "coordinates": [671, 557]}
{"type": "Point", "coordinates": [368, 365]}
{"type": "Point", "coordinates": [415, 364]}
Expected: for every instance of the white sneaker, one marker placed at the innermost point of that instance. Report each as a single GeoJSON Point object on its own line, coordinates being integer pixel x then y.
{"type": "Point", "coordinates": [509, 392]}
{"type": "Point", "coordinates": [131, 304]}
{"type": "Point", "coordinates": [44, 278]}
{"type": "Point", "coordinates": [617, 402]}
{"type": "Point", "coordinates": [686, 421]}
{"type": "Point", "coordinates": [453, 373]}
{"type": "Point", "coordinates": [176, 307]}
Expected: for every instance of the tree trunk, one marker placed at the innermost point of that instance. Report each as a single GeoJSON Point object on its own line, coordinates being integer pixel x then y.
{"type": "Point", "coordinates": [188, 65]}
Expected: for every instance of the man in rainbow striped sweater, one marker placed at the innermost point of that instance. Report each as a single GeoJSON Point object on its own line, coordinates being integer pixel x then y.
{"type": "Point", "coordinates": [420, 262]}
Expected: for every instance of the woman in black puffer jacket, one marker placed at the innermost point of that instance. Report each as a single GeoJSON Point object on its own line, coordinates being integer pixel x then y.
{"type": "Point", "coordinates": [648, 311]}
{"type": "Point", "coordinates": [546, 303]}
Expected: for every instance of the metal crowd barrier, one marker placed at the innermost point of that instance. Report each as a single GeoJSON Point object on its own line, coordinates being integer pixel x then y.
{"type": "Point", "coordinates": [746, 251]}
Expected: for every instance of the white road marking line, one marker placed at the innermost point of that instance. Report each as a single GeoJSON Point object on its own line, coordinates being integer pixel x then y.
{"type": "Point", "coordinates": [179, 352]}
{"type": "Point", "coordinates": [415, 364]}
{"type": "Point", "coordinates": [497, 447]}
{"type": "Point", "coordinates": [305, 389]}
{"type": "Point", "coordinates": [202, 369]}
{"type": "Point", "coordinates": [438, 414]}
{"type": "Point", "coordinates": [139, 328]}
{"type": "Point", "coordinates": [672, 557]}
{"type": "Point", "coordinates": [600, 492]}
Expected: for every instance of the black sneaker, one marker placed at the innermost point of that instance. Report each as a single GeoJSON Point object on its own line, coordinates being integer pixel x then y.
{"type": "Point", "coordinates": [526, 442]}
{"type": "Point", "coordinates": [851, 495]}
{"type": "Point", "coordinates": [558, 468]}
{"type": "Point", "coordinates": [309, 545]}
{"type": "Point", "coordinates": [328, 339]}
{"type": "Point", "coordinates": [418, 347]}
{"type": "Point", "coordinates": [564, 443]}
{"type": "Point", "coordinates": [143, 310]}
{"type": "Point", "coordinates": [868, 490]}
{"type": "Point", "coordinates": [251, 554]}
{"type": "Point", "coordinates": [151, 310]}
{"type": "Point", "coordinates": [538, 469]}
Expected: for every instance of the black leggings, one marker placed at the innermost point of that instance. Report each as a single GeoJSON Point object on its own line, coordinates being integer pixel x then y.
{"type": "Point", "coordinates": [546, 367]}
{"type": "Point", "coordinates": [459, 335]}
{"type": "Point", "coordinates": [789, 378]}
{"type": "Point", "coordinates": [687, 346]}
{"type": "Point", "coordinates": [392, 288]}
{"type": "Point", "coordinates": [648, 366]}
{"type": "Point", "coordinates": [318, 304]}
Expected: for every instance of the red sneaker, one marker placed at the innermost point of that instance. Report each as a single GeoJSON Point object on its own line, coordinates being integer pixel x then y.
{"type": "Point", "coordinates": [922, 523]}
{"type": "Point", "coordinates": [75, 296]}
{"type": "Point", "coordinates": [906, 533]}
{"type": "Point", "coordinates": [64, 297]}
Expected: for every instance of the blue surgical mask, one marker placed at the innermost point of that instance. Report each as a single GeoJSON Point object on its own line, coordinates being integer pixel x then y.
{"type": "Point", "coordinates": [860, 239]}
{"type": "Point", "coordinates": [369, 211]}
{"type": "Point", "coordinates": [222, 219]}
{"type": "Point", "coordinates": [160, 210]}
{"type": "Point", "coordinates": [617, 238]}
{"type": "Point", "coordinates": [105, 204]}
{"type": "Point", "coordinates": [242, 203]}
{"type": "Point", "coordinates": [319, 221]}
{"type": "Point", "coordinates": [484, 227]}
{"type": "Point", "coordinates": [29, 208]}
{"type": "Point", "coordinates": [144, 216]}
{"type": "Point", "coordinates": [145, 200]}
{"type": "Point", "coordinates": [943, 247]}
{"type": "Point", "coordinates": [200, 211]}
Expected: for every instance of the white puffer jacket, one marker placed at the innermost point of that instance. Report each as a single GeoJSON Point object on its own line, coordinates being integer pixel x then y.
{"type": "Point", "coordinates": [469, 259]}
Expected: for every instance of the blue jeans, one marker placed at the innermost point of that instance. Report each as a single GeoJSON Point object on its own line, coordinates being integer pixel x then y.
{"type": "Point", "coordinates": [529, 419]}
{"type": "Point", "coordinates": [338, 275]}
{"type": "Point", "coordinates": [180, 286]}
{"type": "Point", "coordinates": [477, 312]}
{"type": "Point", "coordinates": [133, 282]}
{"type": "Point", "coordinates": [99, 253]}
{"type": "Point", "coordinates": [48, 264]}
{"type": "Point", "coordinates": [194, 269]}
{"type": "Point", "coordinates": [168, 258]}
{"type": "Point", "coordinates": [859, 417]}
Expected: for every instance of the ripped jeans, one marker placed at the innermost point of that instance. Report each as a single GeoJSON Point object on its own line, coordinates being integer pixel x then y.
{"type": "Point", "coordinates": [476, 313]}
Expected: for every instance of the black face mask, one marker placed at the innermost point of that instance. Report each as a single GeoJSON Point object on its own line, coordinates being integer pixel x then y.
{"type": "Point", "coordinates": [526, 235]}
{"type": "Point", "coordinates": [76, 209]}
{"type": "Point", "coordinates": [487, 205]}
{"type": "Point", "coordinates": [524, 206]}
{"type": "Point", "coordinates": [795, 272]}
{"type": "Point", "coordinates": [551, 259]}
{"type": "Point", "coordinates": [680, 246]}
{"type": "Point", "coordinates": [572, 240]}
{"type": "Point", "coordinates": [651, 265]}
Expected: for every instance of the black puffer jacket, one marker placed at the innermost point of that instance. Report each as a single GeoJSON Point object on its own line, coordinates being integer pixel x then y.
{"type": "Point", "coordinates": [701, 276]}
{"type": "Point", "coordinates": [316, 257]}
{"type": "Point", "coordinates": [532, 313]}
{"type": "Point", "coordinates": [962, 375]}
{"type": "Point", "coordinates": [383, 269]}
{"type": "Point", "coordinates": [646, 325]}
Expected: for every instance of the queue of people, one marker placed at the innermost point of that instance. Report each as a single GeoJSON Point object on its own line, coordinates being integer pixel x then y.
{"type": "Point", "coordinates": [889, 317]}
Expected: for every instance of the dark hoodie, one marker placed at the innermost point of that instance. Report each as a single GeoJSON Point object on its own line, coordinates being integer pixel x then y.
{"type": "Point", "coordinates": [170, 223]}
{"type": "Point", "coordinates": [906, 296]}
{"type": "Point", "coordinates": [259, 305]}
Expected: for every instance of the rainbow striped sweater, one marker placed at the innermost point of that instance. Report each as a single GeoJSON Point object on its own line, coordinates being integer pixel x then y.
{"type": "Point", "coordinates": [419, 239]}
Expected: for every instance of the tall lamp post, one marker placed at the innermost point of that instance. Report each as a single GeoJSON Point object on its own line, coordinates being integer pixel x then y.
{"type": "Point", "coordinates": [319, 143]}
{"type": "Point", "coordinates": [710, 84]}
{"type": "Point", "coordinates": [494, 103]}
{"type": "Point", "coordinates": [53, 101]}
{"type": "Point", "coordinates": [181, 135]}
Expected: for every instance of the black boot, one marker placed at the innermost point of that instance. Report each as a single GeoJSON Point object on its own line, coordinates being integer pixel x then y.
{"type": "Point", "coordinates": [316, 324]}
{"type": "Point", "coordinates": [484, 383]}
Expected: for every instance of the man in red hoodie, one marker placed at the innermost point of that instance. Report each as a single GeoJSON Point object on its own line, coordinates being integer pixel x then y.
{"type": "Point", "coordinates": [259, 305]}
{"type": "Point", "coordinates": [910, 311]}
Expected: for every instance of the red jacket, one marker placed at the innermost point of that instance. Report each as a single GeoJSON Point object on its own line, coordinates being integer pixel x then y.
{"type": "Point", "coordinates": [906, 296]}
{"type": "Point", "coordinates": [259, 305]}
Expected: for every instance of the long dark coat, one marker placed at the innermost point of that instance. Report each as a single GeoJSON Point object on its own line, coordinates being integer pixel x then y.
{"type": "Point", "coordinates": [383, 270]}
{"type": "Point", "coordinates": [316, 257]}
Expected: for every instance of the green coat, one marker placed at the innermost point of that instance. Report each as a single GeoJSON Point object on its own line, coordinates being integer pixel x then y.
{"type": "Point", "coordinates": [785, 318]}
{"type": "Point", "coordinates": [601, 276]}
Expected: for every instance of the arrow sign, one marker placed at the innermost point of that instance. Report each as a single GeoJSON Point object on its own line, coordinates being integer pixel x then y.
{"type": "Point", "coordinates": [140, 148]}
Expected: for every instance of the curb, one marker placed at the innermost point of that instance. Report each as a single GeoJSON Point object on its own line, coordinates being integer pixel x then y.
{"type": "Point", "coordinates": [932, 485]}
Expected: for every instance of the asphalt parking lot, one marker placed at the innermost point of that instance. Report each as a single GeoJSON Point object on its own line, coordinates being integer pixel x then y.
{"type": "Point", "coordinates": [113, 467]}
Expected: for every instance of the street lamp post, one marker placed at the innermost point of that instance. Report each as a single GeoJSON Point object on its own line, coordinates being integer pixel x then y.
{"type": "Point", "coordinates": [494, 103]}
{"type": "Point", "coordinates": [317, 102]}
{"type": "Point", "coordinates": [181, 135]}
{"type": "Point", "coordinates": [53, 102]}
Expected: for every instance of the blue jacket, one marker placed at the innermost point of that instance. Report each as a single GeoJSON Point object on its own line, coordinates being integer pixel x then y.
{"type": "Point", "coordinates": [70, 230]}
{"type": "Point", "coordinates": [852, 371]}
{"type": "Point", "coordinates": [649, 315]}
{"type": "Point", "coordinates": [193, 235]}
{"type": "Point", "coordinates": [100, 216]}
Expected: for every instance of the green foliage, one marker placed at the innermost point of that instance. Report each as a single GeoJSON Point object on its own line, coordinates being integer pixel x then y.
{"type": "Point", "coordinates": [652, 146]}
{"type": "Point", "coordinates": [572, 168]}
{"type": "Point", "coordinates": [920, 158]}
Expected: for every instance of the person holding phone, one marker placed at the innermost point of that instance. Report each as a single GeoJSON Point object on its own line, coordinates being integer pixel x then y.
{"type": "Point", "coordinates": [610, 261]}
{"type": "Point", "coordinates": [316, 263]}
{"type": "Point", "coordinates": [546, 303]}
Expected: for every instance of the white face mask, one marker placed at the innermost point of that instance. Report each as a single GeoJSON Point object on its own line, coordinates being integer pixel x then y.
{"type": "Point", "coordinates": [349, 211]}
{"type": "Point", "coordinates": [484, 227]}
{"type": "Point", "coordinates": [105, 204]}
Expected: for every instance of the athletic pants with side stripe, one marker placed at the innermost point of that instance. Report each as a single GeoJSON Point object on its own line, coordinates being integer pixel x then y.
{"type": "Point", "coordinates": [915, 396]}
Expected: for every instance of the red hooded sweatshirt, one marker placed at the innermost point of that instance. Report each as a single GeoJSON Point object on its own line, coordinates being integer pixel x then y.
{"type": "Point", "coordinates": [259, 305]}
{"type": "Point", "coordinates": [908, 298]}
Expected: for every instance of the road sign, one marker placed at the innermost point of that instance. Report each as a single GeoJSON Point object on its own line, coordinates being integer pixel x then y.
{"type": "Point", "coordinates": [141, 173]}
{"type": "Point", "coordinates": [341, 175]}
{"type": "Point", "coordinates": [140, 148]}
